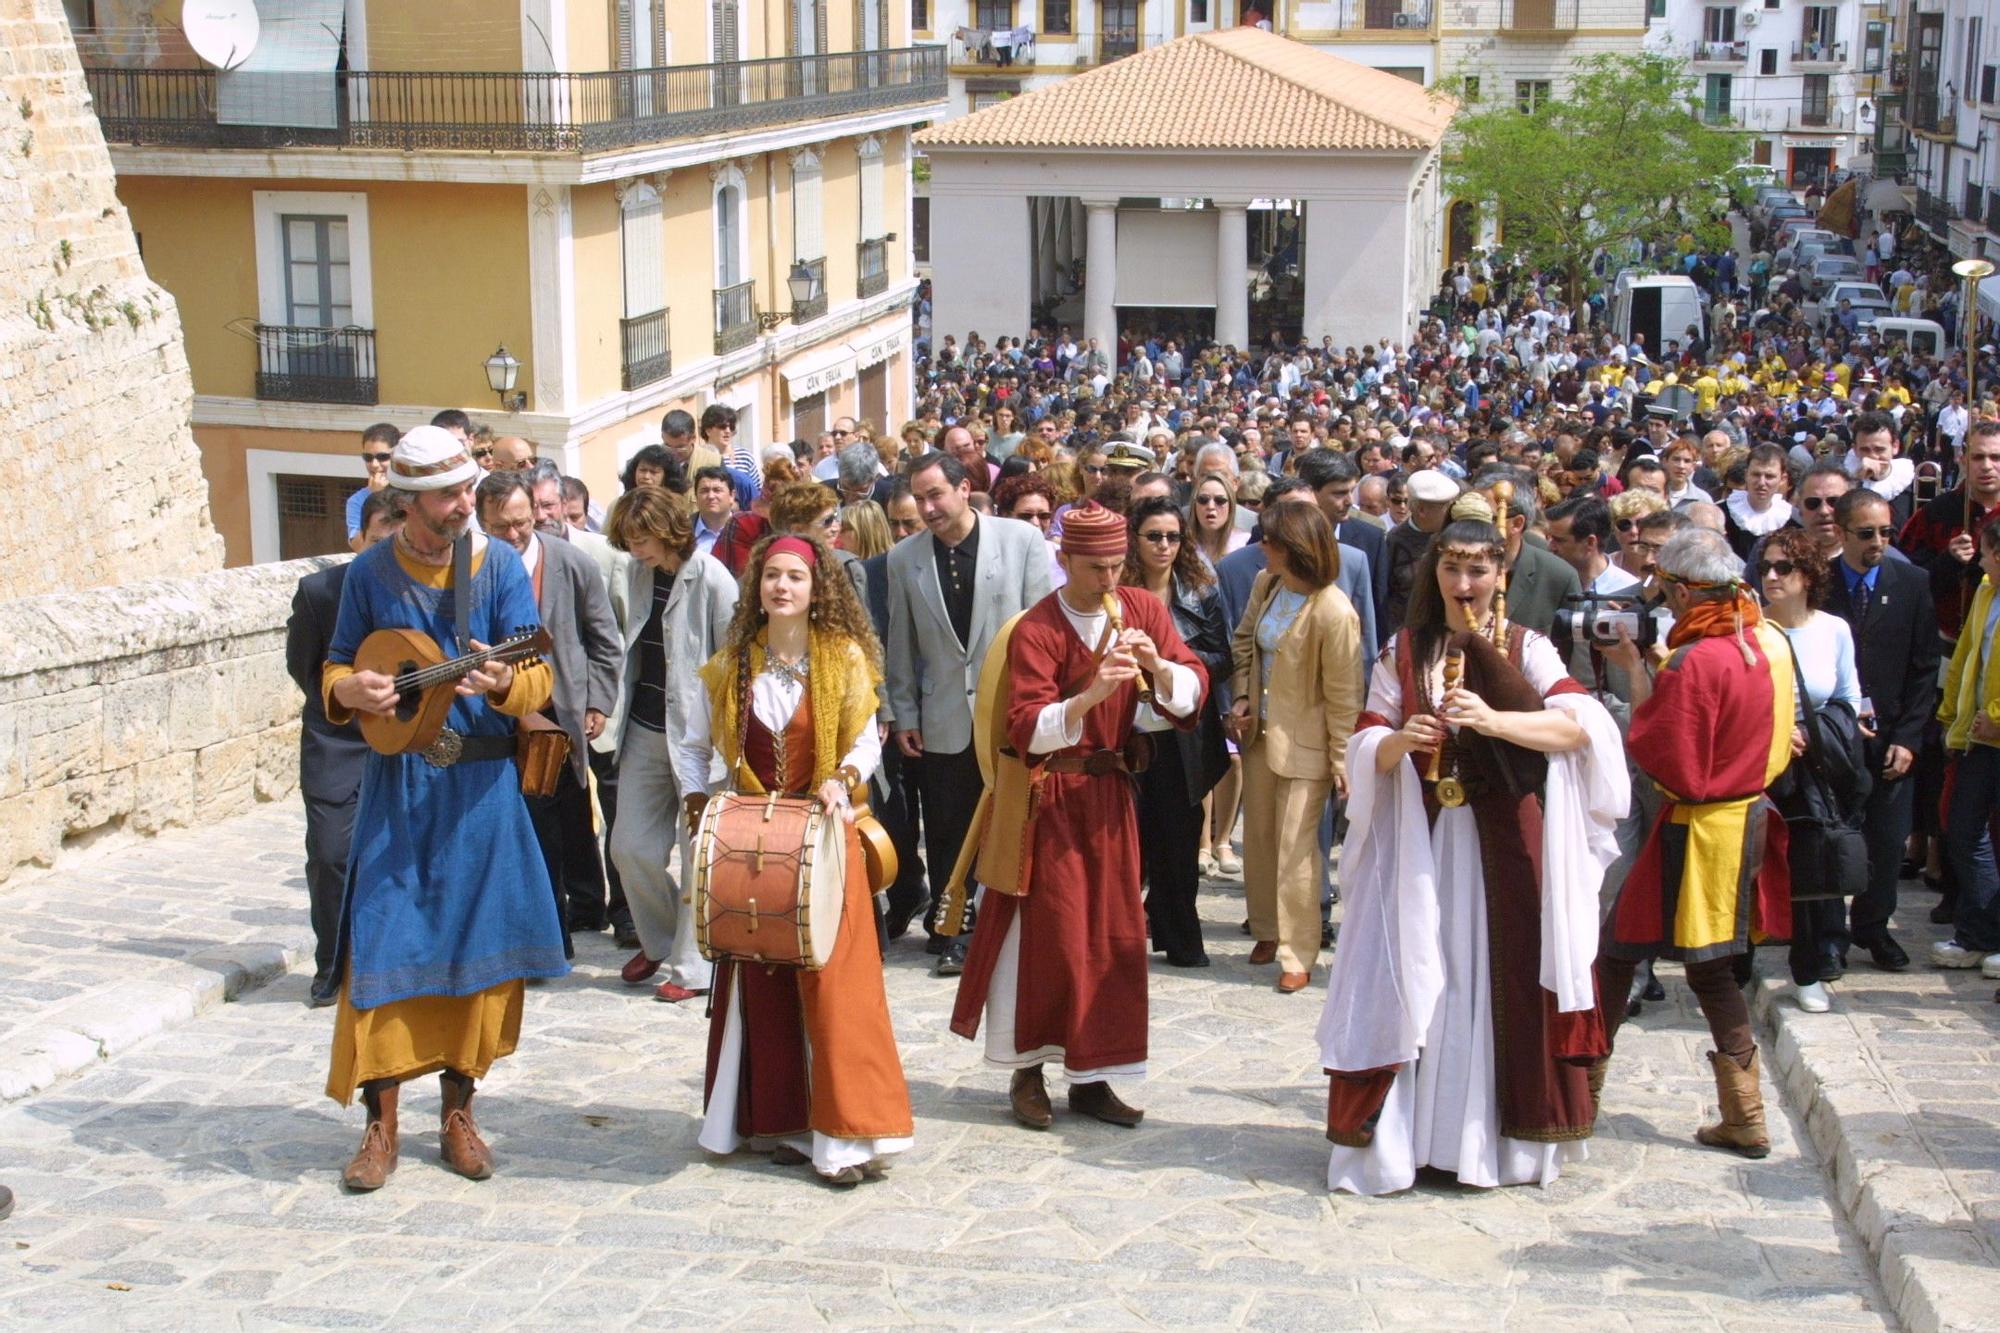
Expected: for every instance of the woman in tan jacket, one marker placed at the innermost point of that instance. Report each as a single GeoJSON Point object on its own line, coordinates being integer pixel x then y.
{"type": "Point", "coordinates": [1297, 687]}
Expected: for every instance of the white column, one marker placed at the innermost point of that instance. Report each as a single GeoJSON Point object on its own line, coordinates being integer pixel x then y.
{"type": "Point", "coordinates": [1100, 275]}
{"type": "Point", "coordinates": [1232, 284]}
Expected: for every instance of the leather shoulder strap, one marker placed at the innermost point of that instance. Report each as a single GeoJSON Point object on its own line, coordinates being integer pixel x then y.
{"type": "Point", "coordinates": [461, 591]}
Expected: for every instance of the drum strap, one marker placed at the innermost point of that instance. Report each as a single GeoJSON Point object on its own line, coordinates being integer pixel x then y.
{"type": "Point", "coordinates": [461, 591]}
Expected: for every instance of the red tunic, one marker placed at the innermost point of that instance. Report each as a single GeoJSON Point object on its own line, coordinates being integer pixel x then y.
{"type": "Point", "coordinates": [1083, 959]}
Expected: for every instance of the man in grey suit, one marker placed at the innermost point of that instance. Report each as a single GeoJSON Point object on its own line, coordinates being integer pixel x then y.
{"type": "Point", "coordinates": [950, 591]}
{"type": "Point", "coordinates": [1538, 581]}
{"type": "Point", "coordinates": [585, 659]}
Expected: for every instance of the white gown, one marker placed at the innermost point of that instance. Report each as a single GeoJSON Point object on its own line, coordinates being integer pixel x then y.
{"type": "Point", "coordinates": [1411, 981]}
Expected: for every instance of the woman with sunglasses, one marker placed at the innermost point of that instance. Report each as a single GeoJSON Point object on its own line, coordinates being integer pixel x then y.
{"type": "Point", "coordinates": [809, 509]}
{"type": "Point", "coordinates": [1211, 518]}
{"type": "Point", "coordinates": [1186, 765]}
{"type": "Point", "coordinates": [1296, 689]}
{"type": "Point", "coordinates": [1794, 579]}
{"type": "Point", "coordinates": [1628, 510]}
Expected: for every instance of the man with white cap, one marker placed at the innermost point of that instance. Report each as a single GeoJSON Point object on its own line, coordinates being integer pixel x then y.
{"type": "Point", "coordinates": [448, 905]}
{"type": "Point", "coordinates": [1431, 493]}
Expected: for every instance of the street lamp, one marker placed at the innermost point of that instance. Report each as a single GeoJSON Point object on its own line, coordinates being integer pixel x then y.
{"type": "Point", "coordinates": [803, 285]}
{"type": "Point", "coordinates": [502, 370]}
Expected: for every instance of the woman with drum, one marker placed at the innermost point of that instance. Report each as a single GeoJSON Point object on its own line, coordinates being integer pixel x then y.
{"type": "Point", "coordinates": [802, 1061]}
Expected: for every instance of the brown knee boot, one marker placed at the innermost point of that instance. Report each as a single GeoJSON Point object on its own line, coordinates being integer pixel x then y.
{"type": "Point", "coordinates": [375, 1161]}
{"type": "Point", "coordinates": [1597, 1072]}
{"type": "Point", "coordinates": [1742, 1127]}
{"type": "Point", "coordinates": [459, 1144]}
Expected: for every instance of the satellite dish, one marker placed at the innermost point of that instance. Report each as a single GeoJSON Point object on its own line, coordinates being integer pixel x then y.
{"type": "Point", "coordinates": [222, 32]}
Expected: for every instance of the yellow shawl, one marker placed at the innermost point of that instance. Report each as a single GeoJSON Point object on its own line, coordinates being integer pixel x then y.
{"type": "Point", "coordinates": [841, 682]}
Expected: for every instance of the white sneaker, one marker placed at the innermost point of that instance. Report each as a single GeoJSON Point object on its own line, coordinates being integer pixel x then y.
{"type": "Point", "coordinates": [1814, 998]}
{"type": "Point", "coordinates": [1950, 953]}
{"type": "Point", "coordinates": [1990, 969]}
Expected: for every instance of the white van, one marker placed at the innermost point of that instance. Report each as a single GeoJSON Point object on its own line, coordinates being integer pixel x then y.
{"type": "Point", "coordinates": [1661, 306]}
{"type": "Point", "coordinates": [1924, 337]}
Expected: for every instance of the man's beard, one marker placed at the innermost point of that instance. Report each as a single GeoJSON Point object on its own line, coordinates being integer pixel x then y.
{"type": "Point", "coordinates": [447, 530]}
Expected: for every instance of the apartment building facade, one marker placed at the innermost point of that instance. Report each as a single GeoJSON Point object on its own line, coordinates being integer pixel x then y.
{"type": "Point", "coordinates": [1950, 64]}
{"type": "Point", "coordinates": [646, 206]}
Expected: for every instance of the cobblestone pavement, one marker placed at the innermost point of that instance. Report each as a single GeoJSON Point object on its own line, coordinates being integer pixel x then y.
{"type": "Point", "coordinates": [190, 1180]}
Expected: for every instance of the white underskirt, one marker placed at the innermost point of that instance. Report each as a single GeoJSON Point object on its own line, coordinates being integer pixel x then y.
{"type": "Point", "coordinates": [1443, 1109]}
{"type": "Point", "coordinates": [718, 1123]}
{"type": "Point", "coordinates": [1000, 1002]}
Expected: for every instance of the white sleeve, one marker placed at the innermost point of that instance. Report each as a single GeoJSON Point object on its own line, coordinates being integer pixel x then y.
{"type": "Point", "coordinates": [1385, 689]}
{"type": "Point", "coordinates": [1588, 791]}
{"type": "Point", "coordinates": [1051, 734]}
{"type": "Point", "coordinates": [866, 755]}
{"type": "Point", "coordinates": [1542, 665]}
{"type": "Point", "coordinates": [1183, 690]}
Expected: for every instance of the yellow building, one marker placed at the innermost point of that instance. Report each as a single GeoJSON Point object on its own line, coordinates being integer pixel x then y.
{"type": "Point", "coordinates": [622, 193]}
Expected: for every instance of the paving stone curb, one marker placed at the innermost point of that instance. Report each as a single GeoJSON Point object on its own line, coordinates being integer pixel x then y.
{"type": "Point", "coordinates": [1930, 1252]}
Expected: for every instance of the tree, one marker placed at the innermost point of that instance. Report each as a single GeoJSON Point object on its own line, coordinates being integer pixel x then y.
{"type": "Point", "coordinates": [1625, 156]}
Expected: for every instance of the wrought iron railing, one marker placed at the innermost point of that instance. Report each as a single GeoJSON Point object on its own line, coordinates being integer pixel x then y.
{"type": "Point", "coordinates": [871, 267]}
{"type": "Point", "coordinates": [1539, 15]}
{"type": "Point", "coordinates": [1121, 40]}
{"type": "Point", "coordinates": [735, 317]}
{"type": "Point", "coordinates": [1819, 53]}
{"type": "Point", "coordinates": [300, 364]}
{"type": "Point", "coordinates": [995, 50]}
{"type": "Point", "coordinates": [536, 112]}
{"type": "Point", "coordinates": [644, 351]}
{"type": "Point", "coordinates": [815, 306]}
{"type": "Point", "coordinates": [1934, 211]}
{"type": "Point", "coordinates": [1718, 53]}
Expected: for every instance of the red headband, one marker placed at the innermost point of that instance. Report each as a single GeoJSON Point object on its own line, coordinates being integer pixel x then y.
{"type": "Point", "coordinates": [797, 546]}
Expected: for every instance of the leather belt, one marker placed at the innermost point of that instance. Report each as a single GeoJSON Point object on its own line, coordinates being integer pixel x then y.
{"type": "Point", "coordinates": [1095, 764]}
{"type": "Point", "coordinates": [451, 747]}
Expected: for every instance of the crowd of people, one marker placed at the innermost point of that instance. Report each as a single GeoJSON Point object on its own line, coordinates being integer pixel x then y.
{"type": "Point", "coordinates": [1578, 677]}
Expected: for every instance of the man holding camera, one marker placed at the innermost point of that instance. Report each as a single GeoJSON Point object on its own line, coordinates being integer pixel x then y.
{"type": "Point", "coordinates": [1712, 730]}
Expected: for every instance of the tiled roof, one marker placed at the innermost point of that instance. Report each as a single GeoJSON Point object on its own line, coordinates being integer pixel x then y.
{"type": "Point", "coordinates": [1241, 88]}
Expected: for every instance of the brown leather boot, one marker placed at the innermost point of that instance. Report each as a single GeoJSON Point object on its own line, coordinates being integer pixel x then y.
{"type": "Point", "coordinates": [1742, 1127]}
{"type": "Point", "coordinates": [459, 1145]}
{"type": "Point", "coordinates": [375, 1161]}
{"type": "Point", "coordinates": [1030, 1097]}
{"type": "Point", "coordinates": [1099, 1102]}
{"type": "Point", "coordinates": [1597, 1071]}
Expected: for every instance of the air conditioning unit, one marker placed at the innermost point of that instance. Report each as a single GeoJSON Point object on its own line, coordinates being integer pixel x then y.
{"type": "Point", "coordinates": [1748, 18]}
{"type": "Point", "coordinates": [1406, 21]}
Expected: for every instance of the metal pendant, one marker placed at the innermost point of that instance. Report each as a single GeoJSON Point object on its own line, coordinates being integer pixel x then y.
{"type": "Point", "coordinates": [1450, 793]}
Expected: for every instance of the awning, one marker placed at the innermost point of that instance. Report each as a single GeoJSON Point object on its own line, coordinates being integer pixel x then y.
{"type": "Point", "coordinates": [1885, 196]}
{"type": "Point", "coordinates": [818, 370]}
{"type": "Point", "coordinates": [873, 352]}
{"type": "Point", "coordinates": [289, 77]}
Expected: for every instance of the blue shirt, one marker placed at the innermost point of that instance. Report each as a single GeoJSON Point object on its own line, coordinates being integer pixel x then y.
{"type": "Point", "coordinates": [1858, 579]}
{"type": "Point", "coordinates": [705, 536]}
{"type": "Point", "coordinates": [354, 503]}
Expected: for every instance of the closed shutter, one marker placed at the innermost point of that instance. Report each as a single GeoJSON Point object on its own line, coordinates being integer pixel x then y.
{"type": "Point", "coordinates": [819, 27]}
{"type": "Point", "coordinates": [660, 59]}
{"type": "Point", "coordinates": [808, 224]}
{"type": "Point", "coordinates": [871, 191]}
{"type": "Point", "coordinates": [621, 12]}
{"type": "Point", "coordinates": [882, 42]}
{"type": "Point", "coordinates": [722, 23]}
{"type": "Point", "coordinates": [640, 228]}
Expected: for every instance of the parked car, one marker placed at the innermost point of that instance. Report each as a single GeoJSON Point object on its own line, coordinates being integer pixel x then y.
{"type": "Point", "coordinates": [1830, 269]}
{"type": "Point", "coordinates": [1791, 241]}
{"type": "Point", "coordinates": [1867, 300]}
{"type": "Point", "coordinates": [1812, 245]}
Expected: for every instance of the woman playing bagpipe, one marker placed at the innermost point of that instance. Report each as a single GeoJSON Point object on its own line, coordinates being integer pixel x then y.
{"type": "Point", "coordinates": [1484, 787]}
{"type": "Point", "coordinates": [802, 1060]}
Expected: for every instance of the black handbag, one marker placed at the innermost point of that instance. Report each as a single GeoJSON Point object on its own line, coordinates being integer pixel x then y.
{"type": "Point", "coordinates": [1821, 797]}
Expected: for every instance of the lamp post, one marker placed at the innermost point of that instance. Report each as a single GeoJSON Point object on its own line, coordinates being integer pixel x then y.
{"type": "Point", "coordinates": [502, 370]}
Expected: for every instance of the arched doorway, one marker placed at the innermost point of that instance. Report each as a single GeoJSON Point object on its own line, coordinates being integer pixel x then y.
{"type": "Point", "coordinates": [1461, 229]}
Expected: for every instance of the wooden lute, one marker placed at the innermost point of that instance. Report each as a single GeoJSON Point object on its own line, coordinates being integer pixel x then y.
{"type": "Point", "coordinates": [426, 682]}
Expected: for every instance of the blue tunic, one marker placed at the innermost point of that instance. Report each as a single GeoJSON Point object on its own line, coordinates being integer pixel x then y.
{"type": "Point", "coordinates": [447, 892]}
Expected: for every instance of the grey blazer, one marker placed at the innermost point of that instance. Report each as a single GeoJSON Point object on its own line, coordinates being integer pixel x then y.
{"type": "Point", "coordinates": [577, 612]}
{"type": "Point", "coordinates": [932, 677]}
{"type": "Point", "coordinates": [692, 625]}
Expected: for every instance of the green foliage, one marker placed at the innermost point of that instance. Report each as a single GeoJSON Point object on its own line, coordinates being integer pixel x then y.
{"type": "Point", "coordinates": [1622, 157]}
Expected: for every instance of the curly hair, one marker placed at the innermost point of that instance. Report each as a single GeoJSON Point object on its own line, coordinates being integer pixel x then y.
{"type": "Point", "coordinates": [1190, 570]}
{"type": "Point", "coordinates": [1636, 504]}
{"type": "Point", "coordinates": [652, 511]}
{"type": "Point", "coordinates": [800, 505]}
{"type": "Point", "coordinates": [834, 605]}
{"type": "Point", "coordinates": [1065, 479]}
{"type": "Point", "coordinates": [1798, 546]}
{"type": "Point", "coordinates": [778, 474]}
{"type": "Point", "coordinates": [1010, 492]}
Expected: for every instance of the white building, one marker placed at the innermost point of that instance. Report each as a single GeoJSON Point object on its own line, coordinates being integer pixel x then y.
{"type": "Point", "coordinates": [1951, 61]}
{"type": "Point", "coordinates": [1796, 77]}
{"type": "Point", "coordinates": [1217, 177]}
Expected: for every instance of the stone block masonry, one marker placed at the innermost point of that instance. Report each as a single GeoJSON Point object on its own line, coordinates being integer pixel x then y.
{"type": "Point", "coordinates": [95, 397]}
{"type": "Point", "coordinates": [143, 707]}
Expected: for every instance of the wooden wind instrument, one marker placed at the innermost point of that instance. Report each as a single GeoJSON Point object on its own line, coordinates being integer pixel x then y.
{"type": "Point", "coordinates": [1116, 614]}
{"type": "Point", "coordinates": [1454, 676]}
{"type": "Point", "coordinates": [1503, 494]}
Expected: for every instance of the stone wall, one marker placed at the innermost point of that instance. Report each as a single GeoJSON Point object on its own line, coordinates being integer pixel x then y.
{"type": "Point", "coordinates": [95, 398]}
{"type": "Point", "coordinates": [143, 707]}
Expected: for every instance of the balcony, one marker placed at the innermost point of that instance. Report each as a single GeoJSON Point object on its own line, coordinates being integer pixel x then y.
{"type": "Point", "coordinates": [1932, 115]}
{"type": "Point", "coordinates": [815, 305]}
{"type": "Point", "coordinates": [872, 268]}
{"type": "Point", "coordinates": [1819, 53]}
{"type": "Point", "coordinates": [973, 48]}
{"type": "Point", "coordinates": [1822, 117]}
{"type": "Point", "coordinates": [1718, 53]}
{"type": "Point", "coordinates": [1378, 18]}
{"type": "Point", "coordinates": [527, 112]}
{"type": "Point", "coordinates": [1118, 42]}
{"type": "Point", "coordinates": [735, 317]}
{"type": "Point", "coordinates": [1538, 16]}
{"type": "Point", "coordinates": [1722, 117]}
{"type": "Point", "coordinates": [302, 364]}
{"type": "Point", "coordinates": [1933, 212]}
{"type": "Point", "coordinates": [644, 352]}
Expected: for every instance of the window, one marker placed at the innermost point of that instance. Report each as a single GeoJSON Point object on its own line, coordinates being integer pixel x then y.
{"type": "Point", "coordinates": [1472, 90]}
{"type": "Point", "coordinates": [1822, 27]}
{"type": "Point", "coordinates": [808, 220]}
{"type": "Point", "coordinates": [920, 15]}
{"type": "Point", "coordinates": [1971, 78]}
{"type": "Point", "coordinates": [871, 22]}
{"type": "Point", "coordinates": [1656, 9]}
{"type": "Point", "coordinates": [642, 244]}
{"type": "Point", "coordinates": [1767, 60]}
{"type": "Point", "coordinates": [1986, 83]}
{"type": "Point", "coordinates": [1874, 47]}
{"type": "Point", "coordinates": [1530, 95]}
{"type": "Point", "coordinates": [1056, 17]}
{"type": "Point", "coordinates": [82, 14]}
{"type": "Point", "coordinates": [723, 41]}
{"type": "Point", "coordinates": [1197, 11]}
{"type": "Point", "coordinates": [1816, 105]}
{"type": "Point", "coordinates": [312, 258]}
{"type": "Point", "coordinates": [732, 262]}
{"type": "Point", "coordinates": [1715, 98]}
{"type": "Point", "coordinates": [872, 176]}
{"type": "Point", "coordinates": [1718, 24]}
{"type": "Point", "coordinates": [993, 15]}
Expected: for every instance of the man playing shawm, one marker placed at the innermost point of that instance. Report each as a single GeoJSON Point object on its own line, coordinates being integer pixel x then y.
{"type": "Point", "coordinates": [1060, 970]}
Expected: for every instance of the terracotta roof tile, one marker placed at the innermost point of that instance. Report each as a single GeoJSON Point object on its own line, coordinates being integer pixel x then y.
{"type": "Point", "coordinates": [1241, 88]}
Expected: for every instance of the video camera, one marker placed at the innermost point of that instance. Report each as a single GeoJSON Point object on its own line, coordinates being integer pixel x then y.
{"type": "Point", "coordinates": [1595, 618]}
